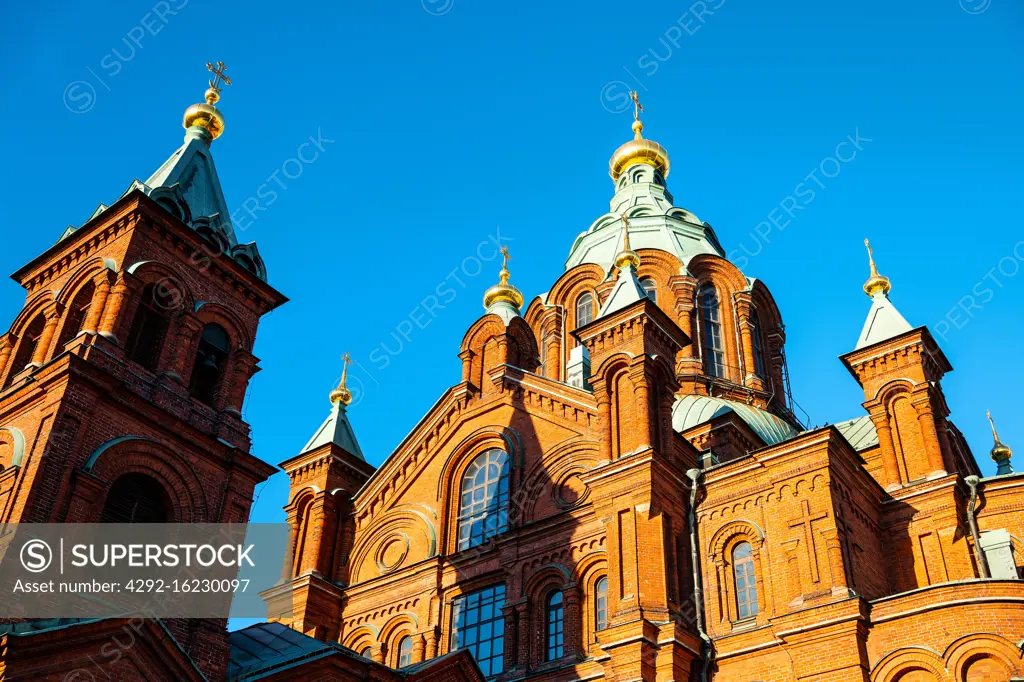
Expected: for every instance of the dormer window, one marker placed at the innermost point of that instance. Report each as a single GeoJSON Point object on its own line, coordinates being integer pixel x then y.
{"type": "Point", "coordinates": [711, 326]}
{"type": "Point", "coordinates": [584, 309]}
{"type": "Point", "coordinates": [651, 287]}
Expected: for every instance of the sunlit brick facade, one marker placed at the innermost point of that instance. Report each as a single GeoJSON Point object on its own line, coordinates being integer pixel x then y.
{"type": "Point", "coordinates": [655, 509]}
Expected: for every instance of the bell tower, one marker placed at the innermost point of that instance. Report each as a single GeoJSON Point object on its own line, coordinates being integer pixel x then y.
{"type": "Point", "coordinates": [122, 378]}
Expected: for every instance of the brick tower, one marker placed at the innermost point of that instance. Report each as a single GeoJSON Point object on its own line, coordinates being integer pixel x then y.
{"type": "Point", "coordinates": [124, 374]}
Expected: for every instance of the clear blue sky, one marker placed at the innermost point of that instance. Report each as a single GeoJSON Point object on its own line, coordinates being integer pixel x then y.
{"type": "Point", "coordinates": [453, 117]}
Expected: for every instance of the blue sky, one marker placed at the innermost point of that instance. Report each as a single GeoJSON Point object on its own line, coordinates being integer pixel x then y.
{"type": "Point", "coordinates": [446, 124]}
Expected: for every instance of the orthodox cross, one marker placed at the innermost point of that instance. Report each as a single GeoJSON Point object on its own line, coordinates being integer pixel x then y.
{"type": "Point", "coordinates": [218, 75]}
{"type": "Point", "coordinates": [345, 360]}
{"type": "Point", "coordinates": [637, 107]}
{"type": "Point", "coordinates": [505, 258]}
{"type": "Point", "coordinates": [806, 520]}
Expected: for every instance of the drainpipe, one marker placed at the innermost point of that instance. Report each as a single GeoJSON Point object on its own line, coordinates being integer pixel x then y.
{"type": "Point", "coordinates": [698, 596]}
{"type": "Point", "coordinates": [972, 483]}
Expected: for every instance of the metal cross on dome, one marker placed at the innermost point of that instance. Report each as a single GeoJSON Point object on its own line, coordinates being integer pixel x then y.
{"type": "Point", "coordinates": [218, 76]}
{"type": "Point", "coordinates": [637, 107]}
{"type": "Point", "coordinates": [505, 258]}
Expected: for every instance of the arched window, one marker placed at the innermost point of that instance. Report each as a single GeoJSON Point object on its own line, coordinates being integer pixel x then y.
{"type": "Point", "coordinates": [584, 309]}
{"type": "Point", "coordinates": [601, 604]}
{"type": "Point", "coordinates": [555, 627]}
{"type": "Point", "coordinates": [76, 314]}
{"type": "Point", "coordinates": [755, 334]}
{"type": "Point", "coordinates": [651, 287]}
{"type": "Point", "coordinates": [26, 346]}
{"type": "Point", "coordinates": [711, 325]}
{"type": "Point", "coordinates": [367, 652]}
{"type": "Point", "coordinates": [745, 580]}
{"type": "Point", "coordinates": [136, 498]}
{"type": "Point", "coordinates": [483, 507]}
{"type": "Point", "coordinates": [211, 362]}
{"type": "Point", "coordinates": [405, 652]}
{"type": "Point", "coordinates": [149, 327]}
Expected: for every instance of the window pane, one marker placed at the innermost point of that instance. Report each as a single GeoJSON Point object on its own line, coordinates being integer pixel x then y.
{"type": "Point", "coordinates": [405, 652]}
{"type": "Point", "coordinates": [483, 512]}
{"type": "Point", "coordinates": [601, 604]}
{"type": "Point", "coordinates": [711, 326]}
{"type": "Point", "coordinates": [555, 626]}
{"type": "Point", "coordinates": [584, 310]}
{"type": "Point", "coordinates": [744, 580]}
{"type": "Point", "coordinates": [485, 641]}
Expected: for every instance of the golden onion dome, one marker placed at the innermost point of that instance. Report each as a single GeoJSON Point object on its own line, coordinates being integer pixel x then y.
{"type": "Point", "coordinates": [876, 283]}
{"type": "Point", "coordinates": [503, 292]}
{"type": "Point", "coordinates": [206, 115]}
{"type": "Point", "coordinates": [638, 150]}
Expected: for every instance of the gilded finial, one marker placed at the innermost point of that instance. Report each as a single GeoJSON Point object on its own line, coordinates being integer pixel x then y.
{"type": "Point", "coordinates": [341, 394]}
{"type": "Point", "coordinates": [503, 291]}
{"type": "Point", "coordinates": [1000, 453]}
{"type": "Point", "coordinates": [638, 150]}
{"type": "Point", "coordinates": [876, 283]}
{"type": "Point", "coordinates": [207, 116]}
{"type": "Point", "coordinates": [627, 257]}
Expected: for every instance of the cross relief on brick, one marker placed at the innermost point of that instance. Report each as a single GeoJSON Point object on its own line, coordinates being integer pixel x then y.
{"type": "Point", "coordinates": [806, 521]}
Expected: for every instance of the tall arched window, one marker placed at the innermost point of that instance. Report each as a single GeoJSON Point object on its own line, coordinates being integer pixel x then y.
{"type": "Point", "coordinates": [711, 326]}
{"type": "Point", "coordinates": [555, 627]}
{"type": "Point", "coordinates": [405, 652]}
{"type": "Point", "coordinates": [745, 580]}
{"type": "Point", "coordinates": [211, 363]}
{"type": "Point", "coordinates": [26, 346]}
{"type": "Point", "coordinates": [76, 313]}
{"type": "Point", "coordinates": [483, 506]}
{"type": "Point", "coordinates": [651, 287]}
{"type": "Point", "coordinates": [149, 327]}
{"type": "Point", "coordinates": [755, 334]}
{"type": "Point", "coordinates": [601, 604]}
{"type": "Point", "coordinates": [584, 309]}
{"type": "Point", "coordinates": [136, 498]}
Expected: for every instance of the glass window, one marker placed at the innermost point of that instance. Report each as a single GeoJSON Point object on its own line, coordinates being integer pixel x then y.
{"type": "Point", "coordinates": [77, 311]}
{"type": "Point", "coordinates": [758, 348]}
{"type": "Point", "coordinates": [26, 347]}
{"type": "Point", "coordinates": [601, 604]}
{"type": "Point", "coordinates": [405, 652]}
{"type": "Point", "coordinates": [746, 581]}
{"type": "Point", "coordinates": [584, 309]}
{"type": "Point", "coordinates": [555, 626]}
{"type": "Point", "coordinates": [651, 287]}
{"type": "Point", "coordinates": [483, 508]}
{"type": "Point", "coordinates": [713, 343]}
{"type": "Point", "coordinates": [479, 626]}
{"type": "Point", "coordinates": [136, 498]}
{"type": "Point", "coordinates": [367, 652]}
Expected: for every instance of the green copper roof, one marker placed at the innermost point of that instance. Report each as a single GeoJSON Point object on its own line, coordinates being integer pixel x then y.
{"type": "Point", "coordinates": [859, 432]}
{"type": "Point", "coordinates": [884, 322]}
{"type": "Point", "coordinates": [336, 429]}
{"type": "Point", "coordinates": [691, 410]}
{"type": "Point", "coordinates": [654, 223]}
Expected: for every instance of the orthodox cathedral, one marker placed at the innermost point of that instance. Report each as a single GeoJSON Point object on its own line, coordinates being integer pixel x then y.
{"type": "Point", "coordinates": [616, 486]}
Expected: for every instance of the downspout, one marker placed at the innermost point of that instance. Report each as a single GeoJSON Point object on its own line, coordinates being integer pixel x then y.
{"type": "Point", "coordinates": [698, 594]}
{"type": "Point", "coordinates": [972, 483]}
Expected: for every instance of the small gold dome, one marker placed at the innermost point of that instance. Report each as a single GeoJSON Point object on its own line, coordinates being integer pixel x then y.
{"type": "Point", "coordinates": [1000, 452]}
{"type": "Point", "coordinates": [503, 292]}
{"type": "Point", "coordinates": [206, 115]}
{"type": "Point", "coordinates": [638, 150]}
{"type": "Point", "coordinates": [627, 257]}
{"type": "Point", "coordinates": [876, 283]}
{"type": "Point", "coordinates": [341, 394]}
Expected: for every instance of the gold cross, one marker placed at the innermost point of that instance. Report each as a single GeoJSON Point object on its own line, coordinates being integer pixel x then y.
{"type": "Point", "coordinates": [637, 107]}
{"type": "Point", "coordinates": [505, 258]}
{"type": "Point", "coordinates": [345, 360]}
{"type": "Point", "coordinates": [218, 75]}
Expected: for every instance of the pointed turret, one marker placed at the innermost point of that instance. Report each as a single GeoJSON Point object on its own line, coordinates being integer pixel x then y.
{"type": "Point", "coordinates": [628, 289]}
{"type": "Point", "coordinates": [884, 320]}
{"type": "Point", "coordinates": [1000, 453]}
{"type": "Point", "coordinates": [336, 429]}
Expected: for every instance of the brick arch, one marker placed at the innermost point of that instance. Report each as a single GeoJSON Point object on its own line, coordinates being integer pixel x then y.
{"type": "Point", "coordinates": [889, 390]}
{"type": "Point", "coordinates": [901, 662]}
{"type": "Point", "coordinates": [970, 650]}
{"type": "Point", "coordinates": [362, 637]}
{"type": "Point", "coordinates": [238, 333]}
{"type": "Point", "coordinates": [660, 266]}
{"type": "Point", "coordinates": [33, 307]}
{"type": "Point", "coordinates": [544, 581]}
{"type": "Point", "coordinates": [415, 527]}
{"type": "Point", "coordinates": [588, 570]}
{"type": "Point", "coordinates": [400, 625]}
{"type": "Point", "coordinates": [135, 454]}
{"type": "Point", "coordinates": [82, 275]}
{"type": "Point", "coordinates": [720, 550]}
{"type": "Point", "coordinates": [734, 532]}
{"type": "Point", "coordinates": [12, 437]}
{"type": "Point", "coordinates": [555, 467]}
{"type": "Point", "coordinates": [156, 272]}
